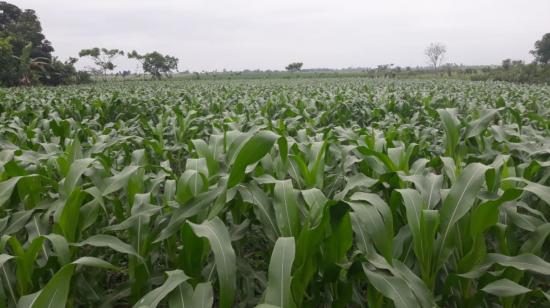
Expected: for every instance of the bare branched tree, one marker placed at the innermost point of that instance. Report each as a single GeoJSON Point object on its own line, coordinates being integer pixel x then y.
{"type": "Point", "coordinates": [435, 53]}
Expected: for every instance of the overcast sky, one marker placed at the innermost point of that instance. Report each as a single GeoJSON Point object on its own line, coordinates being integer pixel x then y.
{"type": "Point", "coordinates": [268, 34]}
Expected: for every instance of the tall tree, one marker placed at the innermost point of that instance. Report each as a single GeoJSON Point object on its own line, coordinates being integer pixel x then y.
{"type": "Point", "coordinates": [8, 63]}
{"type": "Point", "coordinates": [542, 49]}
{"type": "Point", "coordinates": [435, 53]}
{"type": "Point", "coordinates": [506, 63]}
{"type": "Point", "coordinates": [294, 67]}
{"type": "Point", "coordinates": [103, 58]}
{"type": "Point", "coordinates": [24, 50]}
{"type": "Point", "coordinates": [23, 27]}
{"type": "Point", "coordinates": [158, 64]}
{"type": "Point", "coordinates": [139, 58]}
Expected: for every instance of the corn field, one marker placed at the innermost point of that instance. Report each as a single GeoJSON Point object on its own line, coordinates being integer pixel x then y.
{"type": "Point", "coordinates": [275, 193]}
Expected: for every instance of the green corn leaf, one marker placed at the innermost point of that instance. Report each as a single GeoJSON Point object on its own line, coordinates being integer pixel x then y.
{"type": "Point", "coordinates": [60, 246]}
{"type": "Point", "coordinates": [6, 188]}
{"type": "Point", "coordinates": [220, 242]}
{"type": "Point", "coordinates": [263, 207]}
{"type": "Point", "coordinates": [285, 204]}
{"type": "Point", "coordinates": [370, 227]}
{"type": "Point", "coordinates": [95, 262]}
{"type": "Point", "coordinates": [5, 279]}
{"type": "Point", "coordinates": [394, 288]}
{"type": "Point", "coordinates": [317, 167]}
{"type": "Point", "coordinates": [505, 288]}
{"type": "Point", "coordinates": [536, 240]}
{"type": "Point", "coordinates": [523, 262]}
{"type": "Point", "coordinates": [181, 295]}
{"type": "Point", "coordinates": [190, 184]}
{"type": "Point", "coordinates": [452, 129]}
{"type": "Point", "coordinates": [103, 240]}
{"type": "Point", "coordinates": [252, 151]}
{"type": "Point", "coordinates": [194, 207]}
{"type": "Point", "coordinates": [429, 187]}
{"type": "Point", "coordinates": [355, 181]}
{"type": "Point", "coordinates": [541, 191]}
{"type": "Point", "coordinates": [414, 206]}
{"type": "Point", "coordinates": [197, 164]}
{"type": "Point", "coordinates": [477, 126]}
{"type": "Point", "coordinates": [459, 201]}
{"type": "Point", "coordinates": [118, 181]}
{"type": "Point", "coordinates": [376, 221]}
{"type": "Point", "coordinates": [70, 213]}
{"type": "Point", "coordinates": [153, 298]}
{"type": "Point", "coordinates": [280, 266]}
{"type": "Point", "coordinates": [486, 214]}
{"type": "Point", "coordinates": [418, 287]}
{"type": "Point", "coordinates": [316, 201]}
{"type": "Point", "coordinates": [56, 291]}
{"type": "Point", "coordinates": [203, 296]}
{"type": "Point", "coordinates": [450, 168]}
{"type": "Point", "coordinates": [4, 258]}
{"type": "Point", "coordinates": [362, 237]}
{"type": "Point", "coordinates": [388, 163]}
{"type": "Point", "coordinates": [77, 168]}
{"type": "Point", "coordinates": [26, 301]}
{"type": "Point", "coordinates": [17, 221]}
{"type": "Point", "coordinates": [204, 151]}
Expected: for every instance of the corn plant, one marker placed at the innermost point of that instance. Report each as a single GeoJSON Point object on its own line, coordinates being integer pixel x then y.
{"type": "Point", "coordinates": [311, 193]}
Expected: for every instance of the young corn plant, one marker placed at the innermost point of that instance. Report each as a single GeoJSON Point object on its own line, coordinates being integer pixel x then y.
{"type": "Point", "coordinates": [275, 193]}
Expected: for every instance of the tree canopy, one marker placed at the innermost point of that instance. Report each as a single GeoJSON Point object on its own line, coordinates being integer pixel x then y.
{"type": "Point", "coordinates": [155, 63]}
{"type": "Point", "coordinates": [294, 67]}
{"type": "Point", "coordinates": [23, 27]}
{"type": "Point", "coordinates": [24, 50]}
{"type": "Point", "coordinates": [103, 58]}
{"type": "Point", "coordinates": [542, 49]}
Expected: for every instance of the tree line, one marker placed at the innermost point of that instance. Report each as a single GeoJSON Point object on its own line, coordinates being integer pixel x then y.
{"type": "Point", "coordinates": [26, 55]}
{"type": "Point", "coordinates": [510, 70]}
{"type": "Point", "coordinates": [153, 63]}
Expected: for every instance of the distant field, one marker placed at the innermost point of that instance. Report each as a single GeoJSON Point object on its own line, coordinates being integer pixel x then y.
{"type": "Point", "coordinates": [313, 192]}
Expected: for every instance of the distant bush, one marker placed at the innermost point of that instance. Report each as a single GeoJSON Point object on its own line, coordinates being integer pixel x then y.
{"type": "Point", "coordinates": [57, 73]}
{"type": "Point", "coordinates": [83, 77]}
{"type": "Point", "coordinates": [516, 72]}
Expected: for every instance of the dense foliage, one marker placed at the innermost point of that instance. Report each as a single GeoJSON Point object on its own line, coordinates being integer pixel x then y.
{"type": "Point", "coordinates": [294, 66]}
{"type": "Point", "coordinates": [304, 193]}
{"type": "Point", "coordinates": [102, 57]}
{"type": "Point", "coordinates": [542, 49]}
{"type": "Point", "coordinates": [519, 72]}
{"type": "Point", "coordinates": [23, 27]}
{"type": "Point", "coordinates": [158, 64]}
{"type": "Point", "coordinates": [25, 53]}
